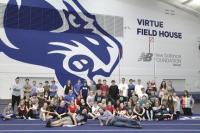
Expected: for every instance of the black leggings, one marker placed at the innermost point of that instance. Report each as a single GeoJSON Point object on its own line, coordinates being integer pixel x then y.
{"type": "Point", "coordinates": [31, 114]}
{"type": "Point", "coordinates": [15, 99]}
{"type": "Point", "coordinates": [187, 111]}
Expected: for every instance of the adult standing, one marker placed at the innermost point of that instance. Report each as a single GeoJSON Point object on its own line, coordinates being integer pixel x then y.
{"type": "Point", "coordinates": [16, 92]}
{"type": "Point", "coordinates": [84, 90]}
{"type": "Point", "coordinates": [77, 88]}
{"type": "Point", "coordinates": [53, 89]}
{"type": "Point", "coordinates": [68, 87]}
{"type": "Point", "coordinates": [187, 103]}
{"type": "Point", "coordinates": [113, 91]}
{"type": "Point", "coordinates": [123, 87]}
{"type": "Point", "coordinates": [138, 87]}
{"type": "Point", "coordinates": [27, 89]}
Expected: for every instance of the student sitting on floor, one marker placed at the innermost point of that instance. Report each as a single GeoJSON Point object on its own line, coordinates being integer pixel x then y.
{"type": "Point", "coordinates": [85, 106]}
{"type": "Point", "coordinates": [61, 110]}
{"type": "Point", "coordinates": [31, 113]}
{"type": "Point", "coordinates": [44, 113]}
{"type": "Point", "coordinates": [165, 114]}
{"type": "Point", "coordinates": [95, 110]}
{"type": "Point", "coordinates": [22, 110]}
{"type": "Point", "coordinates": [110, 107]}
{"type": "Point", "coordinates": [69, 97]}
{"type": "Point", "coordinates": [121, 111]}
{"type": "Point", "coordinates": [148, 112]}
{"type": "Point", "coordinates": [139, 112]}
{"type": "Point", "coordinates": [8, 112]}
{"type": "Point", "coordinates": [129, 114]}
{"type": "Point", "coordinates": [72, 108]}
{"type": "Point", "coordinates": [77, 119]}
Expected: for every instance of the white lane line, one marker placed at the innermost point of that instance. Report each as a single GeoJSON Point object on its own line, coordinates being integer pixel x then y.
{"type": "Point", "coordinates": [136, 130]}
{"type": "Point", "coordinates": [99, 125]}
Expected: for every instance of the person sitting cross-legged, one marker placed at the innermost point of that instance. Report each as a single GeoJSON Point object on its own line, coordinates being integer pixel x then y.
{"type": "Point", "coordinates": [8, 112]}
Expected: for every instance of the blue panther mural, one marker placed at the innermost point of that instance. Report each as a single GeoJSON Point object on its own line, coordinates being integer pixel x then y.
{"type": "Point", "coordinates": [69, 40]}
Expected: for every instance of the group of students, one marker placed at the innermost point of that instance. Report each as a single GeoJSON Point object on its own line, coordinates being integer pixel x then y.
{"type": "Point", "coordinates": [118, 105]}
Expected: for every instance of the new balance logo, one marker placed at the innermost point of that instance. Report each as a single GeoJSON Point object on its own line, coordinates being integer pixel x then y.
{"type": "Point", "coordinates": [145, 57]}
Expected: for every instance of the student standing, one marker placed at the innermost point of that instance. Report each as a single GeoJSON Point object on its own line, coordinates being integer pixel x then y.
{"type": "Point", "coordinates": [123, 87]}
{"type": "Point", "coordinates": [113, 91]}
{"type": "Point", "coordinates": [27, 89]}
{"type": "Point", "coordinates": [104, 88]}
{"type": "Point", "coordinates": [53, 89]}
{"type": "Point", "coordinates": [187, 103]}
{"type": "Point", "coordinates": [84, 90]}
{"type": "Point", "coordinates": [131, 87]}
{"type": "Point", "coordinates": [77, 88]}
{"type": "Point", "coordinates": [16, 92]}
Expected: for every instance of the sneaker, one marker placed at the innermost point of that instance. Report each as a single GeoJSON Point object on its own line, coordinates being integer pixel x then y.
{"type": "Point", "coordinates": [29, 118]}
{"type": "Point", "coordinates": [24, 117]}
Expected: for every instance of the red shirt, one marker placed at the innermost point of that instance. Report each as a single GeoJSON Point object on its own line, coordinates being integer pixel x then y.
{"type": "Point", "coordinates": [72, 109]}
{"type": "Point", "coordinates": [22, 110]}
{"type": "Point", "coordinates": [78, 101]}
{"type": "Point", "coordinates": [110, 108]}
{"type": "Point", "coordinates": [104, 88]}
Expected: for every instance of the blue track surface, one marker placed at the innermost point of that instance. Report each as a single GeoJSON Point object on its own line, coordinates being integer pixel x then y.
{"type": "Point", "coordinates": [26, 126]}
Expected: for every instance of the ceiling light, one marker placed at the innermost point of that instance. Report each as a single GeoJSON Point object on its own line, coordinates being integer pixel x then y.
{"type": "Point", "coordinates": [194, 3]}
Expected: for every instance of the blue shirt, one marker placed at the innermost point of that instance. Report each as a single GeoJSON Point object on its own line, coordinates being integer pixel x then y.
{"type": "Point", "coordinates": [61, 110]}
{"type": "Point", "coordinates": [77, 88]}
{"type": "Point", "coordinates": [85, 90]}
{"type": "Point", "coordinates": [131, 87]}
{"type": "Point", "coordinates": [69, 97]}
{"type": "Point", "coordinates": [53, 90]}
{"type": "Point", "coordinates": [33, 90]}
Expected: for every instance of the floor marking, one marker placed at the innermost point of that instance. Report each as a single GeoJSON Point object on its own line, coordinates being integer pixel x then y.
{"type": "Point", "coordinates": [136, 130]}
{"type": "Point", "coordinates": [99, 125]}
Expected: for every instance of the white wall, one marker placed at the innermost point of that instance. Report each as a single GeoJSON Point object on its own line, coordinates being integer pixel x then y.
{"type": "Point", "coordinates": [133, 45]}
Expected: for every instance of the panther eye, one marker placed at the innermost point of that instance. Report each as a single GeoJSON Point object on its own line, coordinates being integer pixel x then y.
{"type": "Point", "coordinates": [92, 41]}
{"type": "Point", "coordinates": [80, 63]}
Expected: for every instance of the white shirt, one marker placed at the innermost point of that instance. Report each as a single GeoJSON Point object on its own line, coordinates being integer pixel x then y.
{"type": "Point", "coordinates": [143, 94]}
{"type": "Point", "coordinates": [90, 99]}
{"type": "Point", "coordinates": [178, 103]}
{"type": "Point", "coordinates": [16, 89]}
{"type": "Point", "coordinates": [124, 88]}
{"type": "Point", "coordinates": [40, 90]}
{"type": "Point", "coordinates": [138, 89]}
{"type": "Point", "coordinates": [95, 109]}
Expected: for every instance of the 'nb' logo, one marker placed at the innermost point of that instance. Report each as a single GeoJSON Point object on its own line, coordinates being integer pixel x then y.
{"type": "Point", "coordinates": [145, 57]}
{"type": "Point", "coordinates": [70, 41]}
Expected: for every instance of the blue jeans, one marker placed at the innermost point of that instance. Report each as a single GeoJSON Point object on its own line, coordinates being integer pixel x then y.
{"type": "Point", "coordinates": [123, 122]}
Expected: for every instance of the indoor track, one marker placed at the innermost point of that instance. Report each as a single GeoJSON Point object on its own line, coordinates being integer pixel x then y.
{"type": "Point", "coordinates": [26, 126]}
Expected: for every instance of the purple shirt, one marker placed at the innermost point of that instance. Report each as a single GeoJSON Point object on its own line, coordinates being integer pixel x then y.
{"type": "Point", "coordinates": [77, 88]}
{"type": "Point", "coordinates": [33, 90]}
{"type": "Point", "coordinates": [53, 90]}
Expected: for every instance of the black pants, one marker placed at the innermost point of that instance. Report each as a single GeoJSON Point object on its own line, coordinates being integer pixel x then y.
{"type": "Point", "coordinates": [15, 99]}
{"type": "Point", "coordinates": [187, 111]}
{"type": "Point", "coordinates": [31, 114]}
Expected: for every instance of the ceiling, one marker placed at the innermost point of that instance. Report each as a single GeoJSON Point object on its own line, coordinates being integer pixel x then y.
{"type": "Point", "coordinates": [190, 6]}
